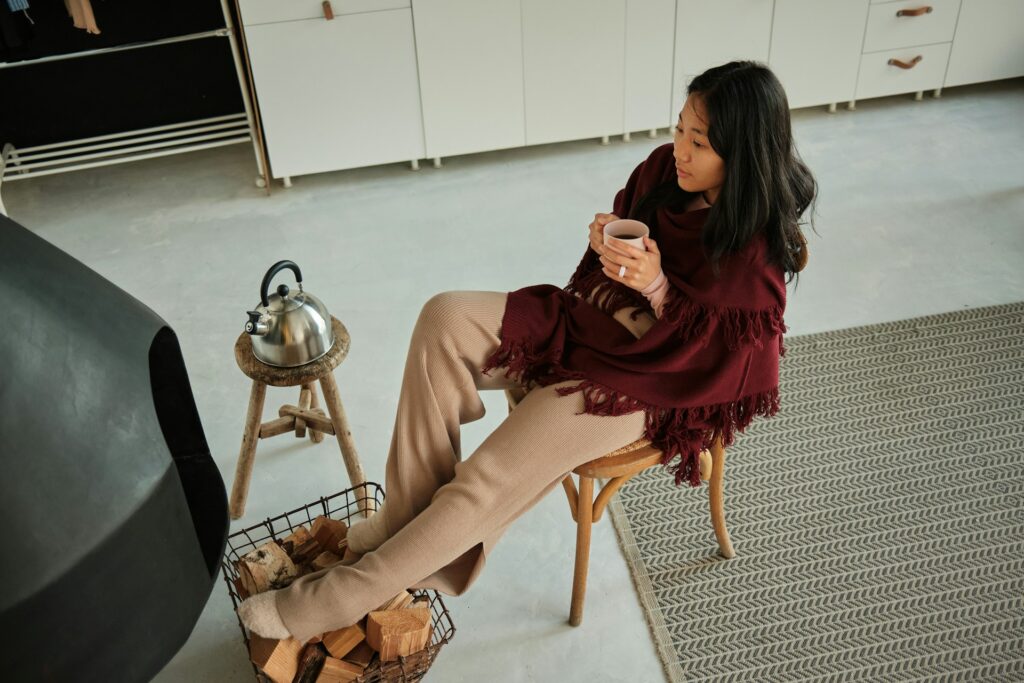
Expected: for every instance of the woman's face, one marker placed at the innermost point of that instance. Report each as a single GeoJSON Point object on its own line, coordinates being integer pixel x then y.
{"type": "Point", "coordinates": [698, 167]}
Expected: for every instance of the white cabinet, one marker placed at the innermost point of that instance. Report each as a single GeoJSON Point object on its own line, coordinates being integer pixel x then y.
{"type": "Point", "coordinates": [817, 66]}
{"type": "Point", "coordinates": [713, 32]}
{"type": "Point", "coordinates": [337, 94]}
{"type": "Point", "coordinates": [650, 36]}
{"type": "Point", "coordinates": [989, 42]}
{"type": "Point", "coordinates": [906, 46]}
{"type": "Point", "coordinates": [573, 68]}
{"type": "Point", "coordinates": [471, 75]}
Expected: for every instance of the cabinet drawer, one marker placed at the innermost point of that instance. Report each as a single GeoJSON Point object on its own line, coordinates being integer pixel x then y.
{"type": "Point", "coordinates": [271, 11]}
{"type": "Point", "coordinates": [886, 31]}
{"type": "Point", "coordinates": [878, 78]}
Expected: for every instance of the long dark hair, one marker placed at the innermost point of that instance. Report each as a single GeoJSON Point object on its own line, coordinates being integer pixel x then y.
{"type": "Point", "coordinates": [767, 186]}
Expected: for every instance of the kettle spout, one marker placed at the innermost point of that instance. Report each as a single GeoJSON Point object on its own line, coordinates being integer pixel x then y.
{"type": "Point", "coordinates": [256, 326]}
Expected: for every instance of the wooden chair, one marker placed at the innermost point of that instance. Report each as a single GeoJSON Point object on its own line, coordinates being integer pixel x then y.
{"type": "Point", "coordinates": [618, 467]}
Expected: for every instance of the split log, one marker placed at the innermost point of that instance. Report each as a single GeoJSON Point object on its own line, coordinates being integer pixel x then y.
{"type": "Point", "coordinates": [265, 568]}
{"type": "Point", "coordinates": [398, 632]}
{"type": "Point", "coordinates": [400, 601]}
{"type": "Point", "coordinates": [324, 560]}
{"type": "Point", "coordinates": [278, 659]}
{"type": "Point", "coordinates": [342, 641]}
{"type": "Point", "coordinates": [361, 655]}
{"type": "Point", "coordinates": [339, 671]}
{"type": "Point", "coordinates": [300, 545]}
{"type": "Point", "coordinates": [331, 534]}
{"type": "Point", "coordinates": [311, 661]}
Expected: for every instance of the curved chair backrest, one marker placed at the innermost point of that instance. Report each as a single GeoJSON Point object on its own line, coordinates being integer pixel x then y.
{"type": "Point", "coordinates": [116, 514]}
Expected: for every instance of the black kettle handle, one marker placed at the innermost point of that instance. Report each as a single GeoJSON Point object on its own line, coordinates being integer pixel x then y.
{"type": "Point", "coordinates": [274, 270]}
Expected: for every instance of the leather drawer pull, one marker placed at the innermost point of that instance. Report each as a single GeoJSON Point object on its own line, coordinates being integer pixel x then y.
{"type": "Point", "coordinates": [328, 10]}
{"type": "Point", "coordinates": [914, 12]}
{"type": "Point", "coordinates": [906, 65]}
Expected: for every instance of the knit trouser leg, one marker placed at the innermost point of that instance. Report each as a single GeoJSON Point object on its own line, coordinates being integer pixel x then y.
{"type": "Point", "coordinates": [543, 439]}
{"type": "Point", "coordinates": [454, 334]}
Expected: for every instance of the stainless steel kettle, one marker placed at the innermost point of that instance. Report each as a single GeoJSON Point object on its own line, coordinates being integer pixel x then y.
{"type": "Point", "coordinates": [289, 329]}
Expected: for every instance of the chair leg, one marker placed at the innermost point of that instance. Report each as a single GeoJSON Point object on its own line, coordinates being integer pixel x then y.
{"type": "Point", "coordinates": [247, 453]}
{"type": "Point", "coordinates": [314, 403]}
{"type": "Point", "coordinates": [715, 497]}
{"type": "Point", "coordinates": [584, 514]}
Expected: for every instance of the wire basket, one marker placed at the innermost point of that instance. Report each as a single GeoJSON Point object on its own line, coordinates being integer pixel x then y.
{"type": "Point", "coordinates": [341, 506]}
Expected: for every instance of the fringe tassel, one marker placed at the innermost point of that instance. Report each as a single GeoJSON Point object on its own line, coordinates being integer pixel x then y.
{"type": "Point", "coordinates": [680, 431]}
{"type": "Point", "coordinates": [740, 327]}
{"type": "Point", "coordinates": [608, 295]}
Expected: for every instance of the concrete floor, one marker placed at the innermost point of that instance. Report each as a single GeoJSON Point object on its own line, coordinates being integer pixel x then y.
{"type": "Point", "coordinates": [921, 210]}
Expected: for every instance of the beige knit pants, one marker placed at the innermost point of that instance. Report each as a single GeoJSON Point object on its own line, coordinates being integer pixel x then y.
{"type": "Point", "coordinates": [442, 513]}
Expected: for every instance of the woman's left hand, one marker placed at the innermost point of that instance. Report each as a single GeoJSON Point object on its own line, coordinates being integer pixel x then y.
{"type": "Point", "coordinates": [642, 267]}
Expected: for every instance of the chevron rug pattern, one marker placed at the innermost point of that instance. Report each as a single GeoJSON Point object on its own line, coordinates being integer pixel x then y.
{"type": "Point", "coordinates": [878, 518]}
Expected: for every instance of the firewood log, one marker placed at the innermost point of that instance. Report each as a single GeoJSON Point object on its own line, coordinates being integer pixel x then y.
{"type": "Point", "coordinates": [400, 601]}
{"type": "Point", "coordinates": [361, 655]}
{"type": "Point", "coordinates": [330, 534]}
{"type": "Point", "coordinates": [265, 568]}
{"type": "Point", "coordinates": [339, 671]}
{"type": "Point", "coordinates": [278, 659]}
{"type": "Point", "coordinates": [300, 545]}
{"type": "Point", "coordinates": [342, 641]}
{"type": "Point", "coordinates": [398, 632]}
{"type": "Point", "coordinates": [311, 661]}
{"type": "Point", "coordinates": [325, 560]}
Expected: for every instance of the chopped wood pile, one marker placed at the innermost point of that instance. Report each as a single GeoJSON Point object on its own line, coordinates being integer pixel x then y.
{"type": "Point", "coordinates": [399, 627]}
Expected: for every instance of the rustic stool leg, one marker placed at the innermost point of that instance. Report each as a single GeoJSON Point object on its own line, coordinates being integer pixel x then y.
{"type": "Point", "coordinates": [345, 442]}
{"type": "Point", "coordinates": [314, 435]}
{"type": "Point", "coordinates": [247, 453]}
{"type": "Point", "coordinates": [305, 400]}
{"type": "Point", "coordinates": [716, 499]}
{"type": "Point", "coordinates": [584, 517]}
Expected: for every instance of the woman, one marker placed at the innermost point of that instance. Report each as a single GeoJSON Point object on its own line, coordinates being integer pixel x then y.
{"type": "Point", "coordinates": [676, 342]}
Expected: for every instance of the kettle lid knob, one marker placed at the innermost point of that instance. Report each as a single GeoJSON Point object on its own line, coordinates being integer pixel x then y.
{"type": "Point", "coordinates": [282, 291]}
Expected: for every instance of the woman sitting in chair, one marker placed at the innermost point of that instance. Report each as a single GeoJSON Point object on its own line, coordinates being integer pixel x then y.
{"type": "Point", "coordinates": [678, 343]}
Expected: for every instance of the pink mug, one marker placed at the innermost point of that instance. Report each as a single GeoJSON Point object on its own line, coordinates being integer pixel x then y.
{"type": "Point", "coordinates": [627, 230]}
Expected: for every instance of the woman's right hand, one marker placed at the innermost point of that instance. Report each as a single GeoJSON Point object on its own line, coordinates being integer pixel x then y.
{"type": "Point", "coordinates": [597, 230]}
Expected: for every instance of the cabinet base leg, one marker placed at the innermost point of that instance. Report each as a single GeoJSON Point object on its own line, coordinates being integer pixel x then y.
{"type": "Point", "coordinates": [652, 133]}
{"type": "Point", "coordinates": [938, 93]}
{"type": "Point", "coordinates": [414, 164]}
{"type": "Point", "coordinates": [261, 181]}
{"type": "Point", "coordinates": [437, 162]}
{"type": "Point", "coordinates": [919, 95]}
{"type": "Point", "coordinates": [626, 137]}
{"type": "Point", "coordinates": [604, 140]}
{"type": "Point", "coordinates": [831, 107]}
{"type": "Point", "coordinates": [851, 105]}
{"type": "Point", "coordinates": [286, 181]}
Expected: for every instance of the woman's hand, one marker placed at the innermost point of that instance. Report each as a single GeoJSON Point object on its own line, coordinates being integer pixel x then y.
{"type": "Point", "coordinates": [642, 267]}
{"type": "Point", "coordinates": [597, 230]}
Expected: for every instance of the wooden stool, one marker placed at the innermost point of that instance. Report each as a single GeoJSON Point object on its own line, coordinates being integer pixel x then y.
{"type": "Point", "coordinates": [307, 417]}
{"type": "Point", "coordinates": [618, 467]}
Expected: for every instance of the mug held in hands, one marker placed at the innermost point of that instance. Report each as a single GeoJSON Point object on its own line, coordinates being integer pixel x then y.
{"type": "Point", "coordinates": [627, 230]}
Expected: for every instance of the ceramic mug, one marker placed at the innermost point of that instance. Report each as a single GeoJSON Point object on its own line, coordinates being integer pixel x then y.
{"type": "Point", "coordinates": [627, 230]}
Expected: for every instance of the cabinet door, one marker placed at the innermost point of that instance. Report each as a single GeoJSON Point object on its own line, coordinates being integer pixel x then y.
{"type": "Point", "coordinates": [337, 94]}
{"type": "Point", "coordinates": [713, 32]}
{"type": "Point", "coordinates": [573, 68]}
{"type": "Point", "coordinates": [470, 56]}
{"type": "Point", "coordinates": [650, 37]}
{"type": "Point", "coordinates": [989, 42]}
{"type": "Point", "coordinates": [817, 66]}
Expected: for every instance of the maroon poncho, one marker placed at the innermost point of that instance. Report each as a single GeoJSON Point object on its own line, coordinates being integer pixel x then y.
{"type": "Point", "coordinates": [707, 366]}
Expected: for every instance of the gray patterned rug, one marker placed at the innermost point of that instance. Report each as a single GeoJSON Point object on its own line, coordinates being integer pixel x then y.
{"type": "Point", "coordinates": [878, 518]}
